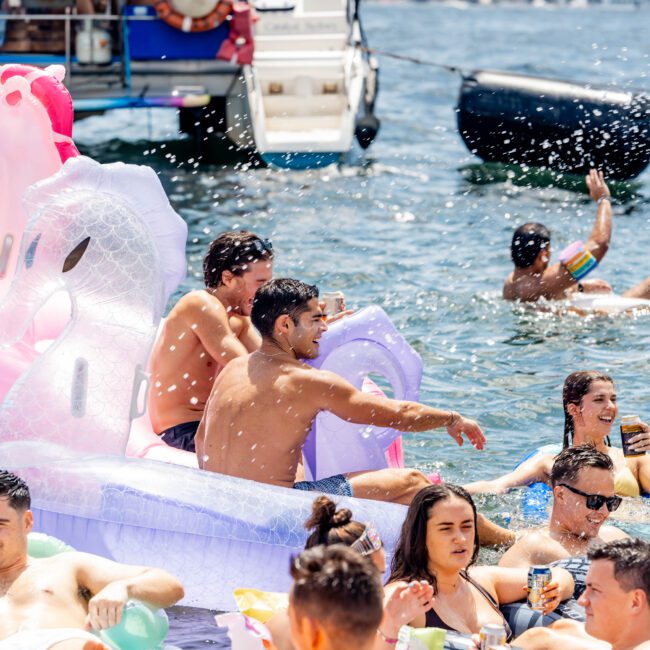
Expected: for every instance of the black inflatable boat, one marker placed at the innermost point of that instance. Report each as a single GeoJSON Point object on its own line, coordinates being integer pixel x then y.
{"type": "Point", "coordinates": [568, 127]}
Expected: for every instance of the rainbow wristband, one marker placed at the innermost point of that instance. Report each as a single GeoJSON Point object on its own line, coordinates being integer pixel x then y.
{"type": "Point", "coordinates": [578, 261]}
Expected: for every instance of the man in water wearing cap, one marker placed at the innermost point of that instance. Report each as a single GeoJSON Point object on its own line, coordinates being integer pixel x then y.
{"type": "Point", "coordinates": [530, 250]}
{"type": "Point", "coordinates": [204, 331]}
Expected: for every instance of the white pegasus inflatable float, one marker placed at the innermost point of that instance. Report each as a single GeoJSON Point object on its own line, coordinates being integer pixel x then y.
{"type": "Point", "coordinates": [91, 254]}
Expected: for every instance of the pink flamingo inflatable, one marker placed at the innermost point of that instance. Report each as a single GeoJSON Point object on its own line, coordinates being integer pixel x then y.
{"type": "Point", "coordinates": [36, 117]}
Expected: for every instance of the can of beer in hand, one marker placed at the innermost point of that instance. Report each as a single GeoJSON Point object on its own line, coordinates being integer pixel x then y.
{"type": "Point", "coordinates": [630, 427]}
{"type": "Point", "coordinates": [334, 302]}
{"type": "Point", "coordinates": [538, 577]}
{"type": "Point", "coordinates": [492, 634]}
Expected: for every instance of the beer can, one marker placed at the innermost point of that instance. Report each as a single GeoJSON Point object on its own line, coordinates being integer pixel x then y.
{"type": "Point", "coordinates": [492, 634]}
{"type": "Point", "coordinates": [630, 427]}
{"type": "Point", "coordinates": [538, 577]}
{"type": "Point", "coordinates": [334, 302]}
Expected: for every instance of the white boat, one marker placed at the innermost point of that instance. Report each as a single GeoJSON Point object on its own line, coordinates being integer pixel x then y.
{"type": "Point", "coordinates": [310, 82]}
{"type": "Point", "coordinates": [295, 88]}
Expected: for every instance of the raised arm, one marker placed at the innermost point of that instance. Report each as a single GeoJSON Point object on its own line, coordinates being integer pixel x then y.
{"type": "Point", "coordinates": [531, 471]}
{"type": "Point", "coordinates": [556, 280]}
{"type": "Point", "coordinates": [111, 585]}
{"type": "Point", "coordinates": [601, 233]}
{"type": "Point", "coordinates": [208, 320]}
{"type": "Point", "coordinates": [344, 400]}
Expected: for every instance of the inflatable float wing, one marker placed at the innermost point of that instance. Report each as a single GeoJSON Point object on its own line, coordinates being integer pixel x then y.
{"type": "Point", "coordinates": [89, 236]}
{"type": "Point", "coordinates": [35, 127]}
{"type": "Point", "coordinates": [363, 344]}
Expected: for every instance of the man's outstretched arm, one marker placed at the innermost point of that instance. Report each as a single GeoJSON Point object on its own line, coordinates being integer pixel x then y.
{"type": "Point", "coordinates": [332, 393]}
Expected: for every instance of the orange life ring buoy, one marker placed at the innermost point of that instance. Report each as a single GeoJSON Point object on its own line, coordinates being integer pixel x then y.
{"type": "Point", "coordinates": [166, 12]}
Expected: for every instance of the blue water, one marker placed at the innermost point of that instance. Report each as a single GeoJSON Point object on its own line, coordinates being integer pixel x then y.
{"type": "Point", "coordinates": [403, 229]}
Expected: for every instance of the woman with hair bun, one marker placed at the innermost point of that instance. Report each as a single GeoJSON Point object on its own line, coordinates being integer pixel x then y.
{"type": "Point", "coordinates": [590, 409]}
{"type": "Point", "coordinates": [329, 526]}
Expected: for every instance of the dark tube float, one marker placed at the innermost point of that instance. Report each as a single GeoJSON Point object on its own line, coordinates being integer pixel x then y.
{"type": "Point", "coordinates": [568, 127]}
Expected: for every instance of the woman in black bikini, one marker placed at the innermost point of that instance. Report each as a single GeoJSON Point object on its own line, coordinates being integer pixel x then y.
{"type": "Point", "coordinates": [439, 543]}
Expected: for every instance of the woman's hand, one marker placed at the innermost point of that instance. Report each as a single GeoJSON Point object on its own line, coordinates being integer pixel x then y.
{"type": "Point", "coordinates": [551, 597]}
{"type": "Point", "coordinates": [641, 442]}
{"type": "Point", "coordinates": [406, 602]}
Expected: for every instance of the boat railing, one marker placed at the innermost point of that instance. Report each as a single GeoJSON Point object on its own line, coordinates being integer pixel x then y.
{"type": "Point", "coordinates": [120, 58]}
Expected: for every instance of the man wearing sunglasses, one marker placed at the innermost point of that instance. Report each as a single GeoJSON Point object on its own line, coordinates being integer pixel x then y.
{"type": "Point", "coordinates": [204, 331]}
{"type": "Point", "coordinates": [582, 479]}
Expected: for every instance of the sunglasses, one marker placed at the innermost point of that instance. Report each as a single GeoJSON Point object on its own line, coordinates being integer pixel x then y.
{"type": "Point", "coordinates": [596, 501]}
{"type": "Point", "coordinates": [369, 542]}
{"type": "Point", "coordinates": [262, 246]}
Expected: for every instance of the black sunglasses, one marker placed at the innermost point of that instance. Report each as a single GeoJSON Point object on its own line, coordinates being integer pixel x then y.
{"type": "Point", "coordinates": [262, 246]}
{"type": "Point", "coordinates": [595, 501]}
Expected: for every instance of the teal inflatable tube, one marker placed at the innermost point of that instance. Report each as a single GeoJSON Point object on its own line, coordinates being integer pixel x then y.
{"type": "Point", "coordinates": [142, 627]}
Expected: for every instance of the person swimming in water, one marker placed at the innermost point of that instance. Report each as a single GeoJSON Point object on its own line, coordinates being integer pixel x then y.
{"type": "Point", "coordinates": [534, 277]}
{"type": "Point", "coordinates": [590, 409]}
{"type": "Point", "coordinates": [582, 479]}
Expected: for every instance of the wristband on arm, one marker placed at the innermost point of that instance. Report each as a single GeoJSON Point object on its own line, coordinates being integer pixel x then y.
{"type": "Point", "coordinates": [577, 260]}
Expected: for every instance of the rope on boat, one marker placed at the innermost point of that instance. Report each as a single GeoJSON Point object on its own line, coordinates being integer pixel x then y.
{"type": "Point", "coordinates": [412, 59]}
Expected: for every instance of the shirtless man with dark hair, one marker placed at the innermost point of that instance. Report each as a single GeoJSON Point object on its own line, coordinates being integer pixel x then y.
{"type": "Point", "coordinates": [204, 331]}
{"type": "Point", "coordinates": [52, 603]}
{"type": "Point", "coordinates": [262, 407]}
{"type": "Point", "coordinates": [533, 276]}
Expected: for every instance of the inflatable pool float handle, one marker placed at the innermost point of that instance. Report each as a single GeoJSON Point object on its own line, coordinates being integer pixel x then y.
{"type": "Point", "coordinates": [363, 344]}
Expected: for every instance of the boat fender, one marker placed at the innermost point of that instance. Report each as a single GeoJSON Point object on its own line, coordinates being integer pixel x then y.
{"type": "Point", "coordinates": [142, 627]}
{"type": "Point", "coordinates": [366, 130]}
{"type": "Point", "coordinates": [167, 12]}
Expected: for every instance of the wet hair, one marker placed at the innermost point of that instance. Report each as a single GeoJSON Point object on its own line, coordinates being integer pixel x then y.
{"type": "Point", "coordinates": [576, 386]}
{"type": "Point", "coordinates": [527, 241]}
{"type": "Point", "coordinates": [278, 297]}
{"type": "Point", "coordinates": [411, 558]}
{"type": "Point", "coordinates": [330, 526]}
{"type": "Point", "coordinates": [631, 559]}
{"type": "Point", "coordinates": [233, 251]}
{"type": "Point", "coordinates": [341, 590]}
{"type": "Point", "coordinates": [572, 460]}
{"type": "Point", "coordinates": [15, 490]}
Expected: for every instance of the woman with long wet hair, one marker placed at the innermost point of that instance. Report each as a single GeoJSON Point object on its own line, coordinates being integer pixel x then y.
{"type": "Point", "coordinates": [590, 409]}
{"type": "Point", "coordinates": [439, 543]}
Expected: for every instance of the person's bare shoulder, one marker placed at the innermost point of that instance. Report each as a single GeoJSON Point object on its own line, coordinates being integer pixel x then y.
{"type": "Point", "coordinates": [610, 533]}
{"type": "Point", "coordinates": [526, 549]}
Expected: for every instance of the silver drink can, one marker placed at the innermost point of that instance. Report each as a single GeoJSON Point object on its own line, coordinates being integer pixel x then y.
{"type": "Point", "coordinates": [334, 302]}
{"type": "Point", "coordinates": [538, 577]}
{"type": "Point", "coordinates": [492, 634]}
